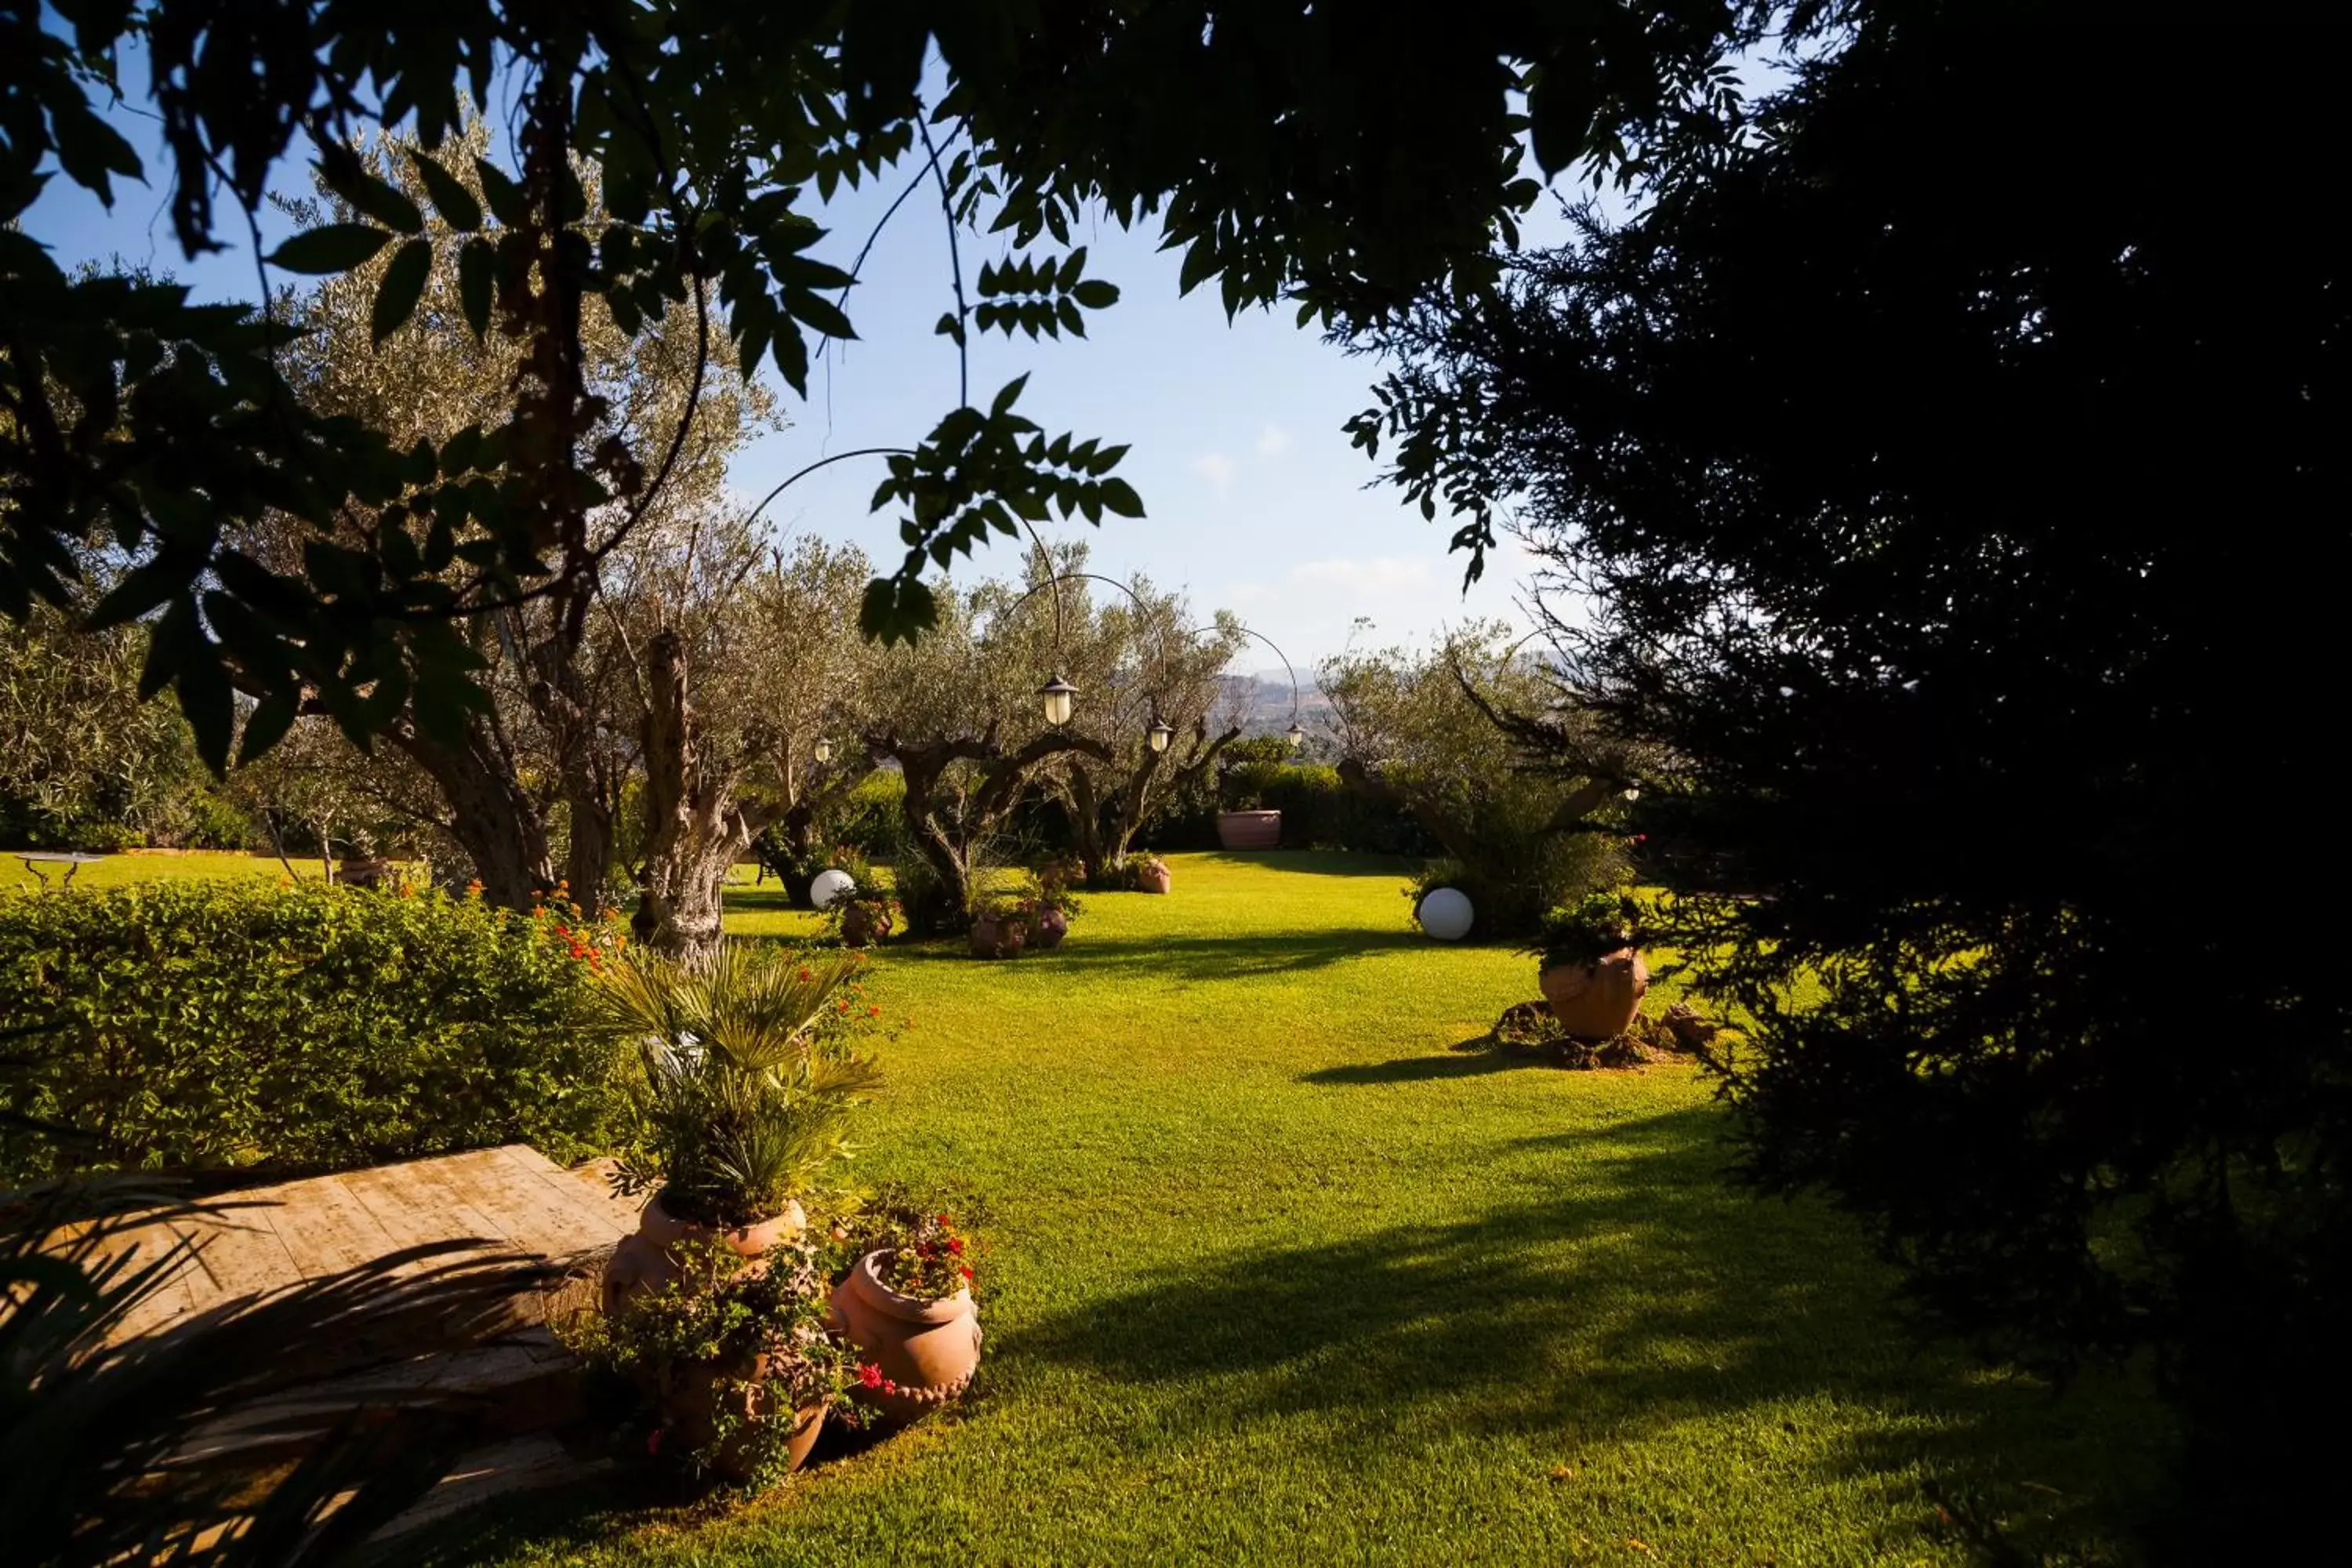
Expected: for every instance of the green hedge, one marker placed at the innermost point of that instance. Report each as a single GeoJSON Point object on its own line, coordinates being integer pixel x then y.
{"type": "Point", "coordinates": [207, 1024]}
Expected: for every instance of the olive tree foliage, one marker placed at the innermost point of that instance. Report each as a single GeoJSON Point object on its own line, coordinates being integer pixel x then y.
{"type": "Point", "coordinates": [1262, 139]}
{"type": "Point", "coordinates": [1441, 733]}
{"type": "Point", "coordinates": [959, 714]}
{"type": "Point", "coordinates": [80, 750]}
{"type": "Point", "coordinates": [740, 655]}
{"type": "Point", "coordinates": [1137, 656]}
{"type": "Point", "coordinates": [532, 769]}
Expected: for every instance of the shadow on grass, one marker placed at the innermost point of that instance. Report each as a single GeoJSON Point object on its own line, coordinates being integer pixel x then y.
{"type": "Point", "coordinates": [1316, 862]}
{"type": "Point", "coordinates": [1644, 1295]}
{"type": "Point", "coordinates": [1472, 1058]}
{"type": "Point", "coordinates": [1191, 958]}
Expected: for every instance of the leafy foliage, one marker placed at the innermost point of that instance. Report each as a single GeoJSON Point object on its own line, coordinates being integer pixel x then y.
{"type": "Point", "coordinates": [226, 1022]}
{"type": "Point", "coordinates": [1259, 139]}
{"type": "Point", "coordinates": [732, 1360]}
{"type": "Point", "coordinates": [1910, 513]}
{"type": "Point", "coordinates": [1431, 734]}
{"type": "Point", "coordinates": [1596, 924]}
{"type": "Point", "coordinates": [746, 1081]}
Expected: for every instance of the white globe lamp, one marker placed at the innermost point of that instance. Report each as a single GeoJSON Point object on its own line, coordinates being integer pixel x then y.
{"type": "Point", "coordinates": [1446, 914]}
{"type": "Point", "coordinates": [830, 885]}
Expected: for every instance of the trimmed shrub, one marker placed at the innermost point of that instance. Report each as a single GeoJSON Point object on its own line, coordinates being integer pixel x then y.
{"type": "Point", "coordinates": [211, 1024]}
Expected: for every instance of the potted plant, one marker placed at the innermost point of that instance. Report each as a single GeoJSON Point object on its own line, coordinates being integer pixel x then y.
{"type": "Point", "coordinates": [1051, 904]}
{"type": "Point", "coordinates": [863, 917]}
{"type": "Point", "coordinates": [1000, 926]}
{"type": "Point", "coordinates": [906, 1302]}
{"type": "Point", "coordinates": [1149, 874]}
{"type": "Point", "coordinates": [744, 1087]}
{"type": "Point", "coordinates": [730, 1369]}
{"type": "Point", "coordinates": [1592, 974]}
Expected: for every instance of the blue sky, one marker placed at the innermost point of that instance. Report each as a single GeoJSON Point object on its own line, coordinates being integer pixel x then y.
{"type": "Point", "coordinates": [1255, 501]}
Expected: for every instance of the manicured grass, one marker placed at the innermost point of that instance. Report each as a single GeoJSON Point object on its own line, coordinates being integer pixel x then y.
{"type": "Point", "coordinates": [1283, 1276]}
{"type": "Point", "coordinates": [117, 870]}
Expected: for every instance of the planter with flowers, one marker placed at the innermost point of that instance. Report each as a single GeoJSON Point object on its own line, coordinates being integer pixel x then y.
{"type": "Point", "coordinates": [1149, 874]}
{"type": "Point", "coordinates": [746, 1084]}
{"type": "Point", "coordinates": [1052, 904]}
{"type": "Point", "coordinates": [906, 1302]}
{"type": "Point", "coordinates": [863, 917]}
{"type": "Point", "coordinates": [1000, 926]}
{"type": "Point", "coordinates": [1591, 973]}
{"type": "Point", "coordinates": [728, 1369]}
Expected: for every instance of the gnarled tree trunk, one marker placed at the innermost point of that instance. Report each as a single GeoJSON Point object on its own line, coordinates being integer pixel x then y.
{"type": "Point", "coordinates": [695, 827]}
{"type": "Point", "coordinates": [494, 819]}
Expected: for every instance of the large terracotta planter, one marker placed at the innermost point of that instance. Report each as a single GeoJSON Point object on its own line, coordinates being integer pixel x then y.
{"type": "Point", "coordinates": [1048, 929]}
{"type": "Point", "coordinates": [928, 1349]}
{"type": "Point", "coordinates": [1249, 829]}
{"type": "Point", "coordinates": [646, 1258]}
{"type": "Point", "coordinates": [1597, 1000]}
{"type": "Point", "coordinates": [1154, 879]}
{"type": "Point", "coordinates": [691, 1405]}
{"type": "Point", "coordinates": [992, 938]}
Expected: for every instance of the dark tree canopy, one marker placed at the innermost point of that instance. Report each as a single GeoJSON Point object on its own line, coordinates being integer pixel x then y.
{"type": "Point", "coordinates": [1338, 156]}
{"type": "Point", "coordinates": [1959, 468]}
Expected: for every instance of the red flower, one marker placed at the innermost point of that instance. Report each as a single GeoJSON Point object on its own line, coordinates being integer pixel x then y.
{"type": "Point", "coordinates": [654, 1440]}
{"type": "Point", "coordinates": [966, 1272]}
{"type": "Point", "coordinates": [869, 1376]}
{"type": "Point", "coordinates": [874, 1012]}
{"type": "Point", "coordinates": [807, 975]}
{"type": "Point", "coordinates": [942, 1219]}
{"type": "Point", "coordinates": [955, 1243]}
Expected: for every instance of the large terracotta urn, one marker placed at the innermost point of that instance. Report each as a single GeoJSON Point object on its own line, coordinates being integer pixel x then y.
{"type": "Point", "coordinates": [994, 938]}
{"type": "Point", "coordinates": [926, 1351]}
{"type": "Point", "coordinates": [646, 1257]}
{"type": "Point", "coordinates": [1597, 1000]}
{"type": "Point", "coordinates": [1048, 928]}
{"type": "Point", "coordinates": [1249, 829]}
{"type": "Point", "coordinates": [1154, 879]}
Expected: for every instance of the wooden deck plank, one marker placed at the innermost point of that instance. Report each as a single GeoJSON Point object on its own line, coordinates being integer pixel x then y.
{"type": "Point", "coordinates": [326, 1228]}
{"type": "Point", "coordinates": [578, 1218]}
{"type": "Point", "coordinates": [412, 1212]}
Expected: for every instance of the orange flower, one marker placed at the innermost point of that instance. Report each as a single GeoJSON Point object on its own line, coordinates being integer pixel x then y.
{"type": "Point", "coordinates": [806, 974]}
{"type": "Point", "coordinates": [873, 1011]}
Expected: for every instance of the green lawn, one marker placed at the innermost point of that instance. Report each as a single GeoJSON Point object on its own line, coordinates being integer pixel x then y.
{"type": "Point", "coordinates": [1281, 1275]}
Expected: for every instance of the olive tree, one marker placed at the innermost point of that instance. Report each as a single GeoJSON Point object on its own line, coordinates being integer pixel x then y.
{"type": "Point", "coordinates": [1435, 732]}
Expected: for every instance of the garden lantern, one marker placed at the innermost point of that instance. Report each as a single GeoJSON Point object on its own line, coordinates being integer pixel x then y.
{"type": "Point", "coordinates": [822, 749]}
{"type": "Point", "coordinates": [1294, 735]}
{"type": "Point", "coordinates": [1161, 734]}
{"type": "Point", "coordinates": [1060, 698]}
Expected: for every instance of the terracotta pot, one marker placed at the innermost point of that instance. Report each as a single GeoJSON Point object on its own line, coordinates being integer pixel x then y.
{"type": "Point", "coordinates": [860, 926]}
{"type": "Point", "coordinates": [1249, 829]}
{"type": "Point", "coordinates": [992, 938]}
{"type": "Point", "coordinates": [1046, 932]}
{"type": "Point", "coordinates": [1597, 1000]}
{"type": "Point", "coordinates": [929, 1349]}
{"type": "Point", "coordinates": [691, 1405]}
{"type": "Point", "coordinates": [1154, 879]}
{"type": "Point", "coordinates": [645, 1258]}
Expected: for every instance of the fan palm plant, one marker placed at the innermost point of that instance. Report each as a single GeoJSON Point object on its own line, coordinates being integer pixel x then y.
{"type": "Point", "coordinates": [745, 1081]}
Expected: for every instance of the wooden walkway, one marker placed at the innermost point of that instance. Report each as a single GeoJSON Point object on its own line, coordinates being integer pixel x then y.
{"type": "Point", "coordinates": [305, 1230]}
{"type": "Point", "coordinates": [513, 1198]}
